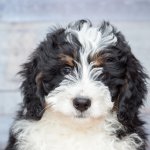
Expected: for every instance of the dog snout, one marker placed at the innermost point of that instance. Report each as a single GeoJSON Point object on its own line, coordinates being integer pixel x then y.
{"type": "Point", "coordinates": [81, 103]}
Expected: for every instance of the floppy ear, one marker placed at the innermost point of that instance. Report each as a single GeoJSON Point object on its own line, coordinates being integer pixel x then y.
{"type": "Point", "coordinates": [132, 92]}
{"type": "Point", "coordinates": [32, 89]}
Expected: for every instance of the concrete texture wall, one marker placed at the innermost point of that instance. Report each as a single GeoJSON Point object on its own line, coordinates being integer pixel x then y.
{"type": "Point", "coordinates": [23, 24]}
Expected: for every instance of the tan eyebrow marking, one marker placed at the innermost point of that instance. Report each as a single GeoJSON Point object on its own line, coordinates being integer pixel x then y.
{"type": "Point", "coordinates": [67, 59]}
{"type": "Point", "coordinates": [97, 59]}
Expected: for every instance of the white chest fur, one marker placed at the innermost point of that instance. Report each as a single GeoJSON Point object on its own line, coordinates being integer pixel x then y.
{"type": "Point", "coordinates": [56, 132]}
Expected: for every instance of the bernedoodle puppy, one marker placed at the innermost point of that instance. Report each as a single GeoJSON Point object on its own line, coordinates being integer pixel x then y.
{"type": "Point", "coordinates": [82, 90]}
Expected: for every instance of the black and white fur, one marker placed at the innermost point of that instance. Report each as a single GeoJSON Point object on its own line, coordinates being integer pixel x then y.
{"type": "Point", "coordinates": [84, 61]}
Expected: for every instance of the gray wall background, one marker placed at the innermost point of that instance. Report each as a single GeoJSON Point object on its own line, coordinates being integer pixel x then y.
{"type": "Point", "coordinates": [24, 23]}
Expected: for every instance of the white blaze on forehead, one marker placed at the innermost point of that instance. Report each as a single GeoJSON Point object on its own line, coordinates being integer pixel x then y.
{"type": "Point", "coordinates": [88, 71]}
{"type": "Point", "coordinates": [93, 39]}
{"type": "Point", "coordinates": [89, 37]}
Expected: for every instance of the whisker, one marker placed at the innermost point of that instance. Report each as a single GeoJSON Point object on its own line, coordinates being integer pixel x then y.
{"type": "Point", "coordinates": [48, 106]}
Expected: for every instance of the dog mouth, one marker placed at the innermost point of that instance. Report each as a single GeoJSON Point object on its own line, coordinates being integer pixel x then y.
{"type": "Point", "coordinates": [82, 115]}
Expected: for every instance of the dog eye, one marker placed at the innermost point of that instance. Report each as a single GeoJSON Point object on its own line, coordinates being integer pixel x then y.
{"type": "Point", "coordinates": [66, 70]}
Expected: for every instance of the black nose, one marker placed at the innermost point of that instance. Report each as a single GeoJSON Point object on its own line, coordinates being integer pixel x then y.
{"type": "Point", "coordinates": [81, 103]}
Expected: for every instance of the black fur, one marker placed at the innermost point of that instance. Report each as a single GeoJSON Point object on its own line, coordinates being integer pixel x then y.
{"type": "Point", "coordinates": [122, 73]}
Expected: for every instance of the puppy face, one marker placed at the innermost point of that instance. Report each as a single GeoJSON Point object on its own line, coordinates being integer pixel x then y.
{"type": "Point", "coordinates": [81, 91]}
{"type": "Point", "coordinates": [84, 71]}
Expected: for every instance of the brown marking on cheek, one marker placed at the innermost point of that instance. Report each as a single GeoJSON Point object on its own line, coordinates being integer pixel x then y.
{"type": "Point", "coordinates": [97, 59]}
{"type": "Point", "coordinates": [39, 78]}
{"type": "Point", "coordinates": [117, 101]}
{"type": "Point", "coordinates": [116, 104]}
{"type": "Point", "coordinates": [66, 59]}
{"type": "Point", "coordinates": [39, 87]}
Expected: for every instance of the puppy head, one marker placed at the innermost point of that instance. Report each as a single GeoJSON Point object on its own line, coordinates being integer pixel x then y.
{"type": "Point", "coordinates": [84, 71]}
